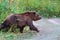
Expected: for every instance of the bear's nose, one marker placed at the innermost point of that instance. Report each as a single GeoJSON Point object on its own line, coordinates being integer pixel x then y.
{"type": "Point", "coordinates": [40, 17]}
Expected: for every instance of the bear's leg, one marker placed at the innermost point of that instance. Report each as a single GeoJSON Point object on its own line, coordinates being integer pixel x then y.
{"type": "Point", "coordinates": [5, 25]}
{"type": "Point", "coordinates": [32, 27]}
{"type": "Point", "coordinates": [21, 28]}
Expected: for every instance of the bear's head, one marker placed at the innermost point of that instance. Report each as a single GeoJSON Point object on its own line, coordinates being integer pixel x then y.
{"type": "Point", "coordinates": [34, 16]}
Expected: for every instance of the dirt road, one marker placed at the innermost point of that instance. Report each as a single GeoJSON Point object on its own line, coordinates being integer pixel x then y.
{"type": "Point", "coordinates": [49, 30]}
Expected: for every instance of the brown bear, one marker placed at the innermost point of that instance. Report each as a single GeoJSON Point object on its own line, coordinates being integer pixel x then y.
{"type": "Point", "coordinates": [21, 20]}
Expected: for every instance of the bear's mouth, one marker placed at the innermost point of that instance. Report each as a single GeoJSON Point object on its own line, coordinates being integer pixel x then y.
{"type": "Point", "coordinates": [38, 18]}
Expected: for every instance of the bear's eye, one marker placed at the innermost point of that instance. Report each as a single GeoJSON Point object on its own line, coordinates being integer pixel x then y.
{"type": "Point", "coordinates": [34, 13]}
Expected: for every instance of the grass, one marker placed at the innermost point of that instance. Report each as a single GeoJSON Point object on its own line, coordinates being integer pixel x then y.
{"type": "Point", "coordinates": [46, 8]}
{"type": "Point", "coordinates": [16, 36]}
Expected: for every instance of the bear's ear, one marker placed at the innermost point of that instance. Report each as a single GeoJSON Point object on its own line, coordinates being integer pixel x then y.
{"type": "Point", "coordinates": [34, 13]}
{"type": "Point", "coordinates": [27, 12]}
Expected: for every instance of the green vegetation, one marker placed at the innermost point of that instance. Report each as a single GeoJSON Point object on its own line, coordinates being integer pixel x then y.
{"type": "Point", "coordinates": [16, 36]}
{"type": "Point", "coordinates": [46, 8]}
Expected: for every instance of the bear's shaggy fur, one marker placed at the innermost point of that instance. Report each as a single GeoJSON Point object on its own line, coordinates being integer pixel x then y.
{"type": "Point", "coordinates": [21, 20]}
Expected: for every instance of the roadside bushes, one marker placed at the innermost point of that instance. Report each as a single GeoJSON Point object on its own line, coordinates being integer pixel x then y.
{"type": "Point", "coordinates": [46, 8]}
